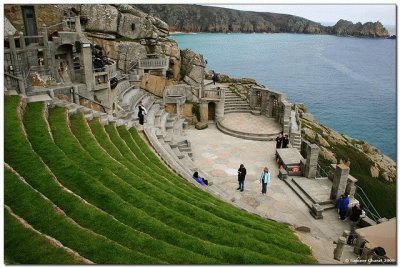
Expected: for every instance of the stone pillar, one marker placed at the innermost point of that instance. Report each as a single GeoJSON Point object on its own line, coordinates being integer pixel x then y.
{"type": "Point", "coordinates": [359, 241]}
{"type": "Point", "coordinates": [220, 106]}
{"type": "Point", "coordinates": [264, 102]}
{"type": "Point", "coordinates": [76, 91]}
{"type": "Point", "coordinates": [339, 181]}
{"type": "Point", "coordinates": [287, 110]}
{"type": "Point", "coordinates": [87, 63]}
{"type": "Point", "coordinates": [204, 112]}
{"type": "Point", "coordinates": [13, 50]}
{"type": "Point", "coordinates": [337, 253]}
{"type": "Point", "coordinates": [351, 186]}
{"type": "Point", "coordinates": [312, 161]}
{"type": "Point", "coordinates": [253, 98]}
{"type": "Point", "coordinates": [78, 27]}
{"type": "Point", "coordinates": [22, 40]}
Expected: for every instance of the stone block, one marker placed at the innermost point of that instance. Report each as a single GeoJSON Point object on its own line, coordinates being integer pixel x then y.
{"type": "Point", "coordinates": [304, 229]}
{"type": "Point", "coordinates": [316, 211]}
{"type": "Point", "coordinates": [283, 175]}
{"type": "Point", "coordinates": [201, 125]}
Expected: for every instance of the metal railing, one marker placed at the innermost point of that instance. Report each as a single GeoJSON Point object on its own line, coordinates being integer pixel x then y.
{"type": "Point", "coordinates": [321, 173]}
{"type": "Point", "coordinates": [370, 210]}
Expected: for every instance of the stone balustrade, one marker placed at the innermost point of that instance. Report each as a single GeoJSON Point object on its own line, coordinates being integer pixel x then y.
{"type": "Point", "coordinates": [156, 63]}
{"type": "Point", "coordinates": [211, 94]}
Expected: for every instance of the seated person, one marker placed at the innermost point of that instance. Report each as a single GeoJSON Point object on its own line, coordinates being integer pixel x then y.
{"type": "Point", "coordinates": [200, 180]}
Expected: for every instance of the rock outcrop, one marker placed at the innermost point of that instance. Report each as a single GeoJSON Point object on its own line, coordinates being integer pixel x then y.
{"type": "Point", "coordinates": [190, 18]}
{"type": "Point", "coordinates": [368, 29]}
{"type": "Point", "coordinates": [192, 68]}
{"type": "Point", "coordinates": [335, 147]}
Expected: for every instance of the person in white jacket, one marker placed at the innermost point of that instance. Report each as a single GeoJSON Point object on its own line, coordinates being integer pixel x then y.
{"type": "Point", "coordinates": [265, 178]}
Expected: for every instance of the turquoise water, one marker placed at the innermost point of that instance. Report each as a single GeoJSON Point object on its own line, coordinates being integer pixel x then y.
{"type": "Point", "coordinates": [347, 83]}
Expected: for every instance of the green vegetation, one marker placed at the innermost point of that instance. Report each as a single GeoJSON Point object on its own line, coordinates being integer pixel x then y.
{"type": "Point", "coordinates": [24, 246]}
{"type": "Point", "coordinates": [103, 193]}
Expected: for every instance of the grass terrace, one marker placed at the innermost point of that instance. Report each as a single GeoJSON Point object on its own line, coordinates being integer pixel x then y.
{"type": "Point", "coordinates": [106, 198]}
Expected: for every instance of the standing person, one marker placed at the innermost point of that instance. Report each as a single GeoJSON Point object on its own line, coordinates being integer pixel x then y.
{"type": "Point", "coordinates": [344, 204]}
{"type": "Point", "coordinates": [265, 178]}
{"type": "Point", "coordinates": [214, 77]}
{"type": "Point", "coordinates": [285, 141]}
{"type": "Point", "coordinates": [141, 113]}
{"type": "Point", "coordinates": [241, 177]}
{"type": "Point", "coordinates": [279, 140]}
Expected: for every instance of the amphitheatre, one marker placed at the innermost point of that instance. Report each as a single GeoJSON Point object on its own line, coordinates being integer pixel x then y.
{"type": "Point", "coordinates": [85, 183]}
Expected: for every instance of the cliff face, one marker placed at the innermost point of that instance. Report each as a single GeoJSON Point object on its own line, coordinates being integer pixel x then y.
{"type": "Point", "coordinates": [195, 18]}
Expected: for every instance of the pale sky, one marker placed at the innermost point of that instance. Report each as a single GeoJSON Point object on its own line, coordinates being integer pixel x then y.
{"type": "Point", "coordinates": [385, 13]}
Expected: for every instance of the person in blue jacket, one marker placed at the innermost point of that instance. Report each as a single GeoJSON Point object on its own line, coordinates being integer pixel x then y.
{"type": "Point", "coordinates": [265, 178]}
{"type": "Point", "coordinates": [200, 180]}
{"type": "Point", "coordinates": [343, 206]}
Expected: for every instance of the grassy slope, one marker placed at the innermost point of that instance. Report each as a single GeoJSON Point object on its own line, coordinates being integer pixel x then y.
{"type": "Point", "coordinates": [162, 217]}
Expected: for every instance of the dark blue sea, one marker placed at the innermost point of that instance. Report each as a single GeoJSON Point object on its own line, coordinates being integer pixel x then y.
{"type": "Point", "coordinates": [347, 83]}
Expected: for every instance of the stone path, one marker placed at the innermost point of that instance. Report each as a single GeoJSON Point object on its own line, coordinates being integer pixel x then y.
{"type": "Point", "coordinates": [220, 155]}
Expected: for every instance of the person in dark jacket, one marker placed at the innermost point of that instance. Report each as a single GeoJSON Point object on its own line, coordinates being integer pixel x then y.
{"type": "Point", "coordinates": [214, 77]}
{"type": "Point", "coordinates": [141, 113]}
{"type": "Point", "coordinates": [285, 141]}
{"type": "Point", "coordinates": [279, 140]}
{"type": "Point", "coordinates": [241, 177]}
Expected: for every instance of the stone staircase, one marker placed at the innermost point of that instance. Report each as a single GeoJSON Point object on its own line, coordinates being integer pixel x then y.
{"type": "Point", "coordinates": [311, 191]}
{"type": "Point", "coordinates": [235, 104]}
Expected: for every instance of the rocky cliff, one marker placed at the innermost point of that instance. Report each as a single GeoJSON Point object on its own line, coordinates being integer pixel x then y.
{"type": "Point", "coordinates": [196, 18]}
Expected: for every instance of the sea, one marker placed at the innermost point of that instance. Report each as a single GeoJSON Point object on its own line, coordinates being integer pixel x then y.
{"type": "Point", "coordinates": [347, 83]}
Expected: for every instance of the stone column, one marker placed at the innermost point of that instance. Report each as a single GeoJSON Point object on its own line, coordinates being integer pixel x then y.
{"type": "Point", "coordinates": [351, 186]}
{"type": "Point", "coordinates": [286, 117]}
{"type": "Point", "coordinates": [253, 98]}
{"type": "Point", "coordinates": [204, 112]}
{"type": "Point", "coordinates": [264, 102]}
{"type": "Point", "coordinates": [359, 241]}
{"type": "Point", "coordinates": [220, 106]}
{"type": "Point", "coordinates": [78, 27]}
{"type": "Point", "coordinates": [339, 181]}
{"type": "Point", "coordinates": [22, 40]}
{"type": "Point", "coordinates": [312, 161]}
{"type": "Point", "coordinates": [337, 253]}
{"type": "Point", "coordinates": [87, 63]}
{"type": "Point", "coordinates": [76, 91]}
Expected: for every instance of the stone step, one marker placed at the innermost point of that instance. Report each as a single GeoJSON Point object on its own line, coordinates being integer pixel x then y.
{"type": "Point", "coordinates": [255, 112]}
{"type": "Point", "coordinates": [39, 98]}
{"type": "Point", "coordinates": [237, 111]}
{"type": "Point", "coordinates": [246, 136]}
{"type": "Point", "coordinates": [299, 192]}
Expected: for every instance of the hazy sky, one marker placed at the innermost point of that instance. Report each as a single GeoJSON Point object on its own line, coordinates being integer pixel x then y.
{"type": "Point", "coordinates": [385, 13]}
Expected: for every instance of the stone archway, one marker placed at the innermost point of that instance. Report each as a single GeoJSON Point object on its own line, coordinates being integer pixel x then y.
{"type": "Point", "coordinates": [211, 111]}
